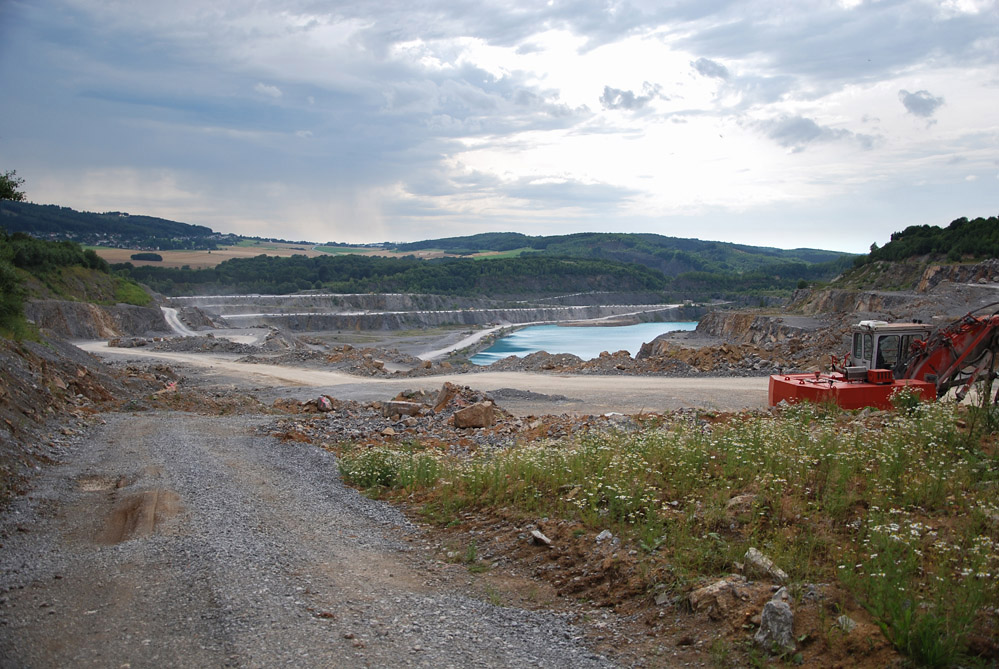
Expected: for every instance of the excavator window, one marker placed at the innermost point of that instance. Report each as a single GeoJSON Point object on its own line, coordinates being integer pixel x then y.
{"type": "Point", "coordinates": [887, 352]}
{"type": "Point", "coordinates": [858, 346]}
{"type": "Point", "coordinates": [868, 347]}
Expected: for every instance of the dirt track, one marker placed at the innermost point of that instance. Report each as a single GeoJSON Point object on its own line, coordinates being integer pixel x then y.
{"type": "Point", "coordinates": [183, 540]}
{"type": "Point", "coordinates": [592, 394]}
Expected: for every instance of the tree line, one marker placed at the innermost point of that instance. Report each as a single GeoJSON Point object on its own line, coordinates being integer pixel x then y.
{"type": "Point", "coordinates": [499, 278]}
{"type": "Point", "coordinates": [977, 238]}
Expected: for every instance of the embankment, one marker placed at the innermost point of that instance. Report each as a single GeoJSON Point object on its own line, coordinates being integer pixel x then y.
{"type": "Point", "coordinates": [83, 320]}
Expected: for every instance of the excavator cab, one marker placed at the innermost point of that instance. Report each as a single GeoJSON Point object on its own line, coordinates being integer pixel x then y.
{"type": "Point", "coordinates": [883, 345]}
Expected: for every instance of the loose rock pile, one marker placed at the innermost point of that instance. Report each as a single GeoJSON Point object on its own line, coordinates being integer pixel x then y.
{"type": "Point", "coordinates": [457, 419]}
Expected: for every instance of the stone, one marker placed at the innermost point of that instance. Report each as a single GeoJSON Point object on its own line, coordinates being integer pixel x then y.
{"type": "Point", "coordinates": [720, 597]}
{"type": "Point", "coordinates": [538, 538]}
{"type": "Point", "coordinates": [776, 634]}
{"type": "Point", "coordinates": [604, 536]}
{"type": "Point", "coordinates": [846, 623]}
{"type": "Point", "coordinates": [478, 415]}
{"type": "Point", "coordinates": [388, 432]}
{"type": "Point", "coordinates": [757, 561]}
{"type": "Point", "coordinates": [401, 408]}
{"type": "Point", "coordinates": [741, 503]}
{"type": "Point", "coordinates": [447, 392]}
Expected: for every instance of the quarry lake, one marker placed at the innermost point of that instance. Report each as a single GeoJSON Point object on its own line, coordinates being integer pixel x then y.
{"type": "Point", "coordinates": [586, 342]}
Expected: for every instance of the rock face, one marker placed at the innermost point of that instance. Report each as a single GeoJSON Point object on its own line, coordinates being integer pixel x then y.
{"type": "Point", "coordinates": [750, 328]}
{"type": "Point", "coordinates": [82, 320]}
{"type": "Point", "coordinates": [982, 273]}
{"type": "Point", "coordinates": [395, 311]}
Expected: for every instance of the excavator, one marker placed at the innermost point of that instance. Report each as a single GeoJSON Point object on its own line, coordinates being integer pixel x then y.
{"type": "Point", "coordinates": [885, 358]}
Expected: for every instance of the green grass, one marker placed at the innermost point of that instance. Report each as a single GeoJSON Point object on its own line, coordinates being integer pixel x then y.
{"type": "Point", "coordinates": [130, 292]}
{"type": "Point", "coordinates": [899, 507]}
{"type": "Point", "coordinates": [513, 253]}
{"type": "Point", "coordinates": [340, 250]}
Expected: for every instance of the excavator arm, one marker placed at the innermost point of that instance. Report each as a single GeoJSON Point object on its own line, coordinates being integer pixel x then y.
{"type": "Point", "coordinates": [956, 355]}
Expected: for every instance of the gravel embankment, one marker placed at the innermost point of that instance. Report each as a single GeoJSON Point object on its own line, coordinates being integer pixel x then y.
{"type": "Point", "coordinates": [174, 539]}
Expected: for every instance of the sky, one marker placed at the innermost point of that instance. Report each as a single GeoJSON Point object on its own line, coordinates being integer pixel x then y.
{"type": "Point", "coordinates": [785, 123]}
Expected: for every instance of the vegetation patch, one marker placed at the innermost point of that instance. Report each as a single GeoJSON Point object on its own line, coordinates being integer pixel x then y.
{"type": "Point", "coordinates": [897, 509]}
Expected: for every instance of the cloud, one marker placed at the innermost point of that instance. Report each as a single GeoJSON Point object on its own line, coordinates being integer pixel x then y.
{"type": "Point", "coordinates": [920, 103]}
{"type": "Point", "coordinates": [268, 90]}
{"type": "Point", "coordinates": [615, 98]}
{"type": "Point", "coordinates": [710, 68]}
{"type": "Point", "coordinates": [560, 192]}
{"type": "Point", "coordinates": [797, 132]}
{"type": "Point", "coordinates": [491, 111]}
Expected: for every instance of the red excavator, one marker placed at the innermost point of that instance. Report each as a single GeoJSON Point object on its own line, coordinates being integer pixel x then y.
{"type": "Point", "coordinates": [888, 357]}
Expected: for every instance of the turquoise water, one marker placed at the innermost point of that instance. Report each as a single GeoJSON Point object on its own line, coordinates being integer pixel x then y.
{"type": "Point", "coordinates": [586, 342]}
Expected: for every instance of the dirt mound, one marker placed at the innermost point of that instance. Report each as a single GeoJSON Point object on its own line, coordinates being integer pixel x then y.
{"type": "Point", "coordinates": [48, 390]}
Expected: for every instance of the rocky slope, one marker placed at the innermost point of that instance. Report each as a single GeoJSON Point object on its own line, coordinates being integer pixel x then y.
{"type": "Point", "coordinates": [83, 320]}
{"type": "Point", "coordinates": [48, 390]}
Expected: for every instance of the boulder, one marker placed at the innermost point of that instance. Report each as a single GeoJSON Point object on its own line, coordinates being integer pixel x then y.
{"type": "Point", "coordinates": [401, 408]}
{"type": "Point", "coordinates": [479, 414]}
{"type": "Point", "coordinates": [776, 634]}
{"type": "Point", "coordinates": [720, 597]}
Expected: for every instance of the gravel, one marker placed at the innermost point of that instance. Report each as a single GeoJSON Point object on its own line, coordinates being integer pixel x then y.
{"type": "Point", "coordinates": [169, 539]}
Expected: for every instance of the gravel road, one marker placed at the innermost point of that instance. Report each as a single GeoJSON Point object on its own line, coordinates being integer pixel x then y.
{"type": "Point", "coordinates": [593, 394]}
{"type": "Point", "coordinates": [170, 539]}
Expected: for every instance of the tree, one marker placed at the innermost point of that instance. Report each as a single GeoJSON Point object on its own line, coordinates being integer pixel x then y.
{"type": "Point", "coordinates": [9, 183]}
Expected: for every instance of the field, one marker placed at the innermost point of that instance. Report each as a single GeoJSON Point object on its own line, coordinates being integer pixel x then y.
{"type": "Point", "coordinates": [202, 259]}
{"type": "Point", "coordinates": [250, 249]}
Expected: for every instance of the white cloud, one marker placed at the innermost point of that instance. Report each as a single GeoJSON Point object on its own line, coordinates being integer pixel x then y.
{"type": "Point", "coordinates": [268, 90]}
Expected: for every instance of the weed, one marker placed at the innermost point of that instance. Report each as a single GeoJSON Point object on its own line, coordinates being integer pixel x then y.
{"type": "Point", "coordinates": [896, 506]}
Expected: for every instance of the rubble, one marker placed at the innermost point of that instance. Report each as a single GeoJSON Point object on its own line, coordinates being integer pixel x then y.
{"type": "Point", "coordinates": [456, 419]}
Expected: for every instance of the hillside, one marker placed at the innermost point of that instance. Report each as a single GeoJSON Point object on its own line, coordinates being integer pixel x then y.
{"type": "Point", "coordinates": [961, 240]}
{"type": "Point", "coordinates": [112, 228]}
{"type": "Point", "coordinates": [34, 271]}
{"type": "Point", "coordinates": [670, 255]}
{"type": "Point", "coordinates": [683, 268]}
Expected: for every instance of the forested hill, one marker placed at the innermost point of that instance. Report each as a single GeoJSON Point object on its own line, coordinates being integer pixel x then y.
{"type": "Point", "coordinates": [507, 277]}
{"type": "Point", "coordinates": [977, 238]}
{"type": "Point", "coordinates": [113, 228]}
{"type": "Point", "coordinates": [669, 255]}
